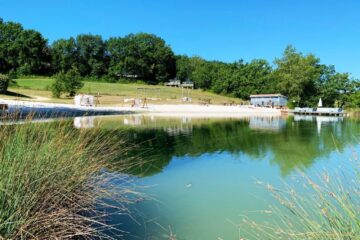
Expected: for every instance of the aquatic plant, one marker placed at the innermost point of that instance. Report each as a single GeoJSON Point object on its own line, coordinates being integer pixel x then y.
{"type": "Point", "coordinates": [324, 207]}
{"type": "Point", "coordinates": [53, 182]}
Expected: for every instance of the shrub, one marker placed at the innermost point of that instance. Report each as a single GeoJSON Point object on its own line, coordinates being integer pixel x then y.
{"type": "Point", "coordinates": [57, 87]}
{"type": "Point", "coordinates": [69, 82]}
{"type": "Point", "coordinates": [4, 83]}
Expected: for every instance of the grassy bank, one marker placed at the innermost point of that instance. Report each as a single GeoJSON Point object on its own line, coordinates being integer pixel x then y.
{"type": "Point", "coordinates": [51, 181]}
{"type": "Point", "coordinates": [38, 89]}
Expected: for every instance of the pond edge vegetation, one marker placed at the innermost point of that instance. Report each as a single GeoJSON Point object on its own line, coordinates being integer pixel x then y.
{"type": "Point", "coordinates": [54, 182]}
{"type": "Point", "coordinates": [320, 208]}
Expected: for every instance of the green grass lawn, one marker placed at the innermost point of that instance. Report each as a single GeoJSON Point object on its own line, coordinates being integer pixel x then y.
{"type": "Point", "coordinates": [38, 89]}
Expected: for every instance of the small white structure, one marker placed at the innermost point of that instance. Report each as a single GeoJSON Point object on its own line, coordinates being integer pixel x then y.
{"type": "Point", "coordinates": [173, 83]}
{"type": "Point", "coordinates": [186, 99]}
{"type": "Point", "coordinates": [320, 103]}
{"type": "Point", "coordinates": [84, 100]}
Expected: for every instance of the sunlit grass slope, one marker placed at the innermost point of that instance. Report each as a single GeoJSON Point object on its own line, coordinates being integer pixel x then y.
{"type": "Point", "coordinates": [38, 89]}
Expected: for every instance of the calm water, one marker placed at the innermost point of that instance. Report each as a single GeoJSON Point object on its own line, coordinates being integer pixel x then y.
{"type": "Point", "coordinates": [201, 173]}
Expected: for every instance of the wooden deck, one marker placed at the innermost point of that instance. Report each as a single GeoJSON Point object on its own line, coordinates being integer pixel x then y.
{"type": "Point", "coordinates": [320, 111]}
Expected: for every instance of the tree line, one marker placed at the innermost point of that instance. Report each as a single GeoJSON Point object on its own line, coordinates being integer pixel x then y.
{"type": "Point", "coordinates": [147, 57]}
{"type": "Point", "coordinates": [139, 56]}
{"type": "Point", "coordinates": [300, 77]}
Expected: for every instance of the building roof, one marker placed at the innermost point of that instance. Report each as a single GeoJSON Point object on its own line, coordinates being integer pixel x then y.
{"type": "Point", "coordinates": [267, 95]}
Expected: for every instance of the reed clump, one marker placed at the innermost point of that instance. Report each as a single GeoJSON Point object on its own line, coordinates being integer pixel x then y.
{"type": "Point", "coordinates": [52, 181]}
{"type": "Point", "coordinates": [324, 207]}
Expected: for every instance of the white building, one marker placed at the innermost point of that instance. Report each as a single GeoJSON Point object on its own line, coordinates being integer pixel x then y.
{"type": "Point", "coordinates": [268, 100]}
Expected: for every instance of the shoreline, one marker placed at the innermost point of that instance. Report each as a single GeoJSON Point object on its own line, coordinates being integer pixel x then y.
{"type": "Point", "coordinates": [170, 110]}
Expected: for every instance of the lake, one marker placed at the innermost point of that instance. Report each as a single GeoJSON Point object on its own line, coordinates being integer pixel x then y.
{"type": "Point", "coordinates": [201, 175]}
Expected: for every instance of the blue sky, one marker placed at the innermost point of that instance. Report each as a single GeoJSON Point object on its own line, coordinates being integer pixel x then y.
{"type": "Point", "coordinates": [225, 30]}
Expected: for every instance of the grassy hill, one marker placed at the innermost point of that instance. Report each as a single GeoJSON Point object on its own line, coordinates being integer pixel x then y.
{"type": "Point", "coordinates": [38, 89]}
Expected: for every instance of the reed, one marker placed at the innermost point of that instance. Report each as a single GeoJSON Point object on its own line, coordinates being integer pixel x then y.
{"type": "Point", "coordinates": [325, 207]}
{"type": "Point", "coordinates": [53, 180]}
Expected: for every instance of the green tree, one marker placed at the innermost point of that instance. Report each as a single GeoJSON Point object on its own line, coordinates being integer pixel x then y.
{"type": "Point", "coordinates": [184, 68]}
{"type": "Point", "coordinates": [143, 55]}
{"type": "Point", "coordinates": [57, 88]}
{"type": "Point", "coordinates": [354, 100]}
{"type": "Point", "coordinates": [69, 82]}
{"type": "Point", "coordinates": [242, 79]}
{"type": "Point", "coordinates": [64, 55]}
{"type": "Point", "coordinates": [251, 78]}
{"type": "Point", "coordinates": [9, 46]}
{"type": "Point", "coordinates": [204, 73]}
{"type": "Point", "coordinates": [24, 51]}
{"type": "Point", "coordinates": [34, 56]}
{"type": "Point", "coordinates": [91, 55]}
{"type": "Point", "coordinates": [335, 87]}
{"type": "Point", "coordinates": [296, 75]}
{"type": "Point", "coordinates": [4, 83]}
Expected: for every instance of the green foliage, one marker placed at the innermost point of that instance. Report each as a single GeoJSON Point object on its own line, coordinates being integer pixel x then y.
{"type": "Point", "coordinates": [86, 53]}
{"type": "Point", "coordinates": [336, 87]}
{"type": "Point", "coordinates": [69, 82]}
{"type": "Point", "coordinates": [23, 51]}
{"type": "Point", "coordinates": [354, 100]}
{"type": "Point", "coordinates": [183, 68]}
{"type": "Point", "coordinates": [143, 56]}
{"type": "Point", "coordinates": [238, 79]}
{"type": "Point", "coordinates": [204, 73]}
{"type": "Point", "coordinates": [91, 55]}
{"type": "Point", "coordinates": [296, 75]}
{"type": "Point", "coordinates": [148, 57]}
{"type": "Point", "coordinates": [304, 79]}
{"type": "Point", "coordinates": [4, 83]}
{"type": "Point", "coordinates": [57, 87]}
{"type": "Point", "coordinates": [64, 55]}
{"type": "Point", "coordinates": [250, 78]}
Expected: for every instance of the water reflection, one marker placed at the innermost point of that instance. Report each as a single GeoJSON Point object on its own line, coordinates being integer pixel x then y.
{"type": "Point", "coordinates": [84, 122]}
{"type": "Point", "coordinates": [268, 123]}
{"type": "Point", "coordinates": [293, 142]}
{"type": "Point", "coordinates": [320, 120]}
{"type": "Point", "coordinates": [201, 171]}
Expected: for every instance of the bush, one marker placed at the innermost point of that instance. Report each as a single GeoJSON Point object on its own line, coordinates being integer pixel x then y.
{"type": "Point", "coordinates": [57, 87]}
{"type": "Point", "coordinates": [4, 83]}
{"type": "Point", "coordinates": [69, 82]}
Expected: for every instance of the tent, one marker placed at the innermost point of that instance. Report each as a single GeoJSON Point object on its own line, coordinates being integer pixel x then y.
{"type": "Point", "coordinates": [84, 100]}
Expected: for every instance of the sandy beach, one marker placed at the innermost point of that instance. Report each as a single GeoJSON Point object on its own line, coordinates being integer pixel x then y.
{"type": "Point", "coordinates": [159, 110]}
{"type": "Point", "coordinates": [210, 111]}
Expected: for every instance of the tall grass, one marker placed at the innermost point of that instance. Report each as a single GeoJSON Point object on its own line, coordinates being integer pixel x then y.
{"type": "Point", "coordinates": [320, 208]}
{"type": "Point", "coordinates": [52, 181]}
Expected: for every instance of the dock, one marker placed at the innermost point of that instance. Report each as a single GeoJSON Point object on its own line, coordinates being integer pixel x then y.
{"type": "Point", "coordinates": [338, 112]}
